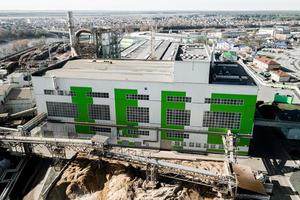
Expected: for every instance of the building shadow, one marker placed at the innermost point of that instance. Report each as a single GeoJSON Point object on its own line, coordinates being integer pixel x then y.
{"type": "Point", "coordinates": [287, 70]}
{"type": "Point", "coordinates": [282, 192]}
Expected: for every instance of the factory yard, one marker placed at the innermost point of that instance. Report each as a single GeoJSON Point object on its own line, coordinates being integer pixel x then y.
{"type": "Point", "coordinates": [288, 58]}
{"type": "Point", "coordinates": [266, 93]}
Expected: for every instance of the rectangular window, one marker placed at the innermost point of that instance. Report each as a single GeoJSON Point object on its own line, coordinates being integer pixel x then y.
{"type": "Point", "coordinates": [100, 112]}
{"type": "Point", "coordinates": [192, 144]}
{"type": "Point", "coordinates": [137, 96]}
{"type": "Point", "coordinates": [100, 129]}
{"type": "Point", "coordinates": [198, 145]}
{"type": "Point", "coordinates": [179, 99]}
{"type": "Point", "coordinates": [60, 109]}
{"type": "Point", "coordinates": [49, 92]}
{"type": "Point", "coordinates": [98, 94]}
{"type": "Point", "coordinates": [61, 92]}
{"type": "Point", "coordinates": [138, 114]}
{"type": "Point", "coordinates": [177, 135]}
{"type": "Point", "coordinates": [224, 101]}
{"type": "Point", "coordinates": [178, 117]}
{"type": "Point", "coordinates": [230, 120]}
{"type": "Point", "coordinates": [138, 132]}
{"type": "Point", "coordinates": [65, 93]}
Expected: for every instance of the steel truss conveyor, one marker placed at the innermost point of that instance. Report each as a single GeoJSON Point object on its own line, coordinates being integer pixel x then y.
{"type": "Point", "coordinates": [223, 183]}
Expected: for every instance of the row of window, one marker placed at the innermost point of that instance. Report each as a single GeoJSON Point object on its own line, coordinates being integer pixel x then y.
{"type": "Point", "coordinates": [100, 112]}
{"type": "Point", "coordinates": [200, 145]}
{"type": "Point", "coordinates": [177, 135]}
{"type": "Point", "coordinates": [178, 117]}
{"type": "Point", "coordinates": [146, 97]}
{"type": "Point", "coordinates": [137, 97]}
{"type": "Point", "coordinates": [229, 120]}
{"type": "Point", "coordinates": [100, 129]}
{"type": "Point", "coordinates": [138, 132]}
{"type": "Point", "coordinates": [179, 99]}
{"type": "Point", "coordinates": [71, 93]}
{"type": "Point", "coordinates": [138, 114]}
{"type": "Point", "coordinates": [98, 94]}
{"type": "Point", "coordinates": [59, 92]}
{"type": "Point", "coordinates": [224, 101]}
{"type": "Point", "coordinates": [60, 109]}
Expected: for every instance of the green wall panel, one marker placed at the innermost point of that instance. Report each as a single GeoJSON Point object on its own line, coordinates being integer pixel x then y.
{"type": "Point", "coordinates": [82, 101]}
{"type": "Point", "coordinates": [121, 104]}
{"type": "Point", "coordinates": [247, 111]}
{"type": "Point", "coordinates": [165, 105]}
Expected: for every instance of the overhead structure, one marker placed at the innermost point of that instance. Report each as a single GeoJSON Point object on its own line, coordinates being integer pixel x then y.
{"type": "Point", "coordinates": [224, 183]}
{"type": "Point", "coordinates": [98, 43]}
{"type": "Point", "coordinates": [95, 42]}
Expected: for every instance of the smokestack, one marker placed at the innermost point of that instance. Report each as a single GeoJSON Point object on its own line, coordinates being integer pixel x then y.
{"type": "Point", "coordinates": [71, 28]}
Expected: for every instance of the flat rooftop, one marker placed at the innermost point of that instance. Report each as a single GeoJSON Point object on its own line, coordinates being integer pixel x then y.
{"type": "Point", "coordinates": [123, 70]}
{"type": "Point", "coordinates": [229, 74]}
{"type": "Point", "coordinates": [20, 94]}
{"type": "Point", "coordinates": [165, 50]}
{"type": "Point", "coordinates": [195, 52]}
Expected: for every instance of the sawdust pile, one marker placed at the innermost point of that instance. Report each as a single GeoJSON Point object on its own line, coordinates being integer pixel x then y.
{"type": "Point", "coordinates": [213, 166]}
{"type": "Point", "coordinates": [91, 179]}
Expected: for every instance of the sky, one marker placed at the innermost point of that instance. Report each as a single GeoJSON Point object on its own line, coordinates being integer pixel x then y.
{"type": "Point", "coordinates": [142, 5]}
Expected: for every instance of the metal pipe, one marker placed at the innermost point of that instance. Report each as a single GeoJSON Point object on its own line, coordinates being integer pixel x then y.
{"type": "Point", "coordinates": [43, 140]}
{"type": "Point", "coordinates": [23, 112]}
{"type": "Point", "coordinates": [8, 129]}
{"type": "Point", "coordinates": [152, 128]}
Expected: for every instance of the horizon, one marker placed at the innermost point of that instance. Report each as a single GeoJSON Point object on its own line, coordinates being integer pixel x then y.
{"type": "Point", "coordinates": [166, 10]}
{"type": "Point", "coordinates": [154, 5]}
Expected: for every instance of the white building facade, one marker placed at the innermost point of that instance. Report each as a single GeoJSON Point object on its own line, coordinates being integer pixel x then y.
{"type": "Point", "coordinates": [164, 105]}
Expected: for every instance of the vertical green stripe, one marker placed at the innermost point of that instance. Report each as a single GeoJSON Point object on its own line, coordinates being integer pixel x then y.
{"type": "Point", "coordinates": [165, 105]}
{"type": "Point", "coordinates": [82, 101]}
{"type": "Point", "coordinates": [121, 104]}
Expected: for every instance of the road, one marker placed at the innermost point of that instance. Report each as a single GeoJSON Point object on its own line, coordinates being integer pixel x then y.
{"type": "Point", "coordinates": [267, 91]}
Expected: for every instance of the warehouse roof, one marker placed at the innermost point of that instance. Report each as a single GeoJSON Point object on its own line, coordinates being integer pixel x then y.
{"type": "Point", "coordinates": [266, 60]}
{"type": "Point", "coordinates": [166, 50]}
{"type": "Point", "coordinates": [133, 70]}
{"type": "Point", "coordinates": [141, 50]}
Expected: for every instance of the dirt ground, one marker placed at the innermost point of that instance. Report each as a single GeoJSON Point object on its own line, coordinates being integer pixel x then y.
{"type": "Point", "coordinates": [94, 179]}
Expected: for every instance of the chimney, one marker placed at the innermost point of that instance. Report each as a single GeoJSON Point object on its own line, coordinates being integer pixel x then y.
{"type": "Point", "coordinates": [71, 28]}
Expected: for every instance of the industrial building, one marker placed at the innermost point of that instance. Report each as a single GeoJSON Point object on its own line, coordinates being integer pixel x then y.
{"type": "Point", "coordinates": [266, 63]}
{"type": "Point", "coordinates": [171, 103]}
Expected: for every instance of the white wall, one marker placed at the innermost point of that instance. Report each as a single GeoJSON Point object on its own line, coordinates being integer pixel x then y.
{"type": "Point", "coordinates": [198, 92]}
{"type": "Point", "coordinates": [278, 78]}
{"type": "Point", "coordinates": [197, 71]}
